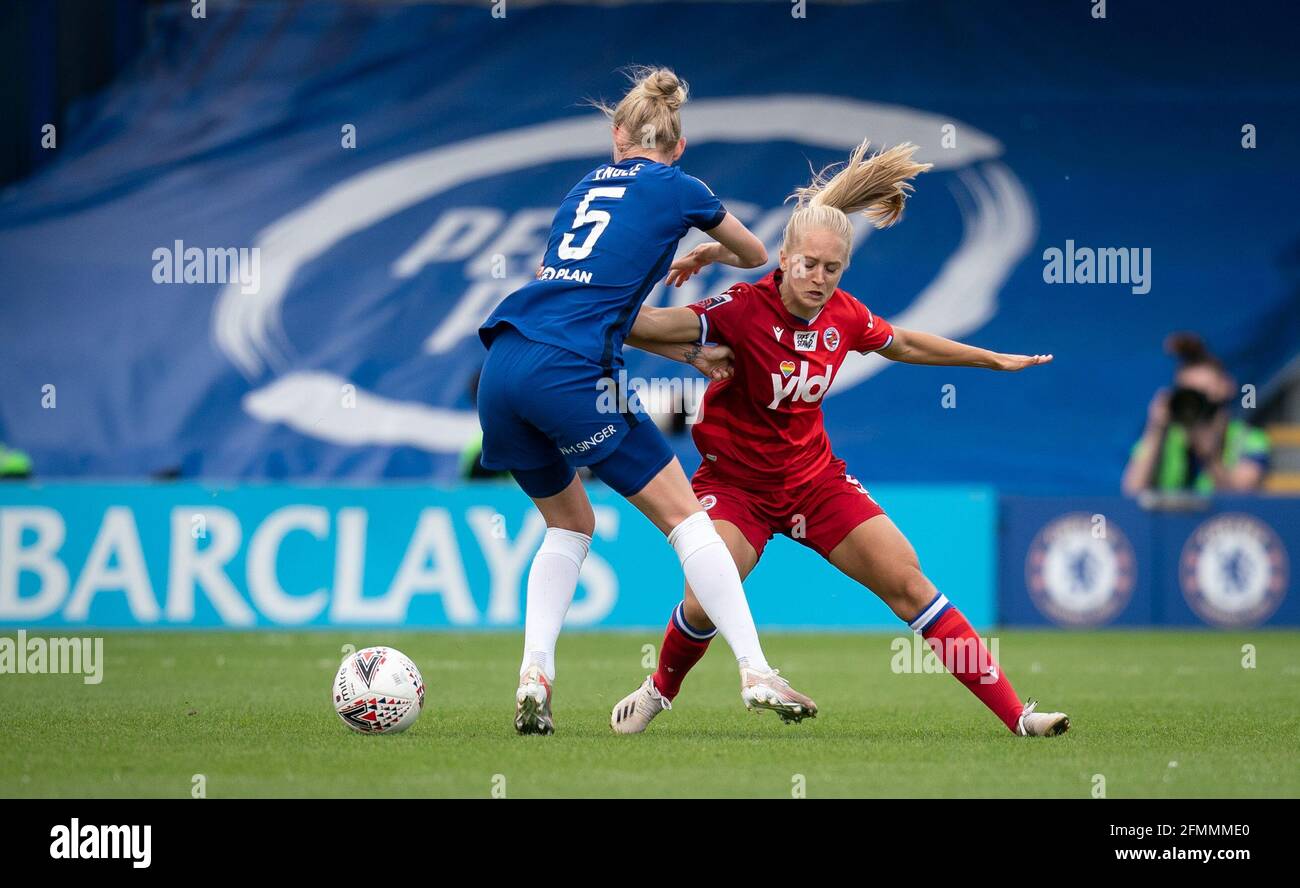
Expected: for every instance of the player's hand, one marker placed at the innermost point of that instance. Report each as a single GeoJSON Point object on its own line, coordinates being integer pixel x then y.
{"type": "Point", "coordinates": [1012, 363]}
{"type": "Point", "coordinates": [684, 268]}
{"type": "Point", "coordinates": [714, 361]}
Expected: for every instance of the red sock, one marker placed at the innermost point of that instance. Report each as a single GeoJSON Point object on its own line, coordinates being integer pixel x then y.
{"type": "Point", "coordinates": [959, 648]}
{"type": "Point", "coordinates": [682, 648]}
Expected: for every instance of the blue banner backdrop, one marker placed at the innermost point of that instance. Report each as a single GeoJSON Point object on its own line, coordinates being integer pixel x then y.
{"type": "Point", "coordinates": [285, 201]}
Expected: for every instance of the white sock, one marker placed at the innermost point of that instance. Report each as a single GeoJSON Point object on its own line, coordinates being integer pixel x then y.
{"type": "Point", "coordinates": [713, 576]}
{"type": "Point", "coordinates": [552, 580]}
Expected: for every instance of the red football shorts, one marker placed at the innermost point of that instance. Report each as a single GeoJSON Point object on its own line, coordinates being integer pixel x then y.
{"type": "Point", "coordinates": [818, 514]}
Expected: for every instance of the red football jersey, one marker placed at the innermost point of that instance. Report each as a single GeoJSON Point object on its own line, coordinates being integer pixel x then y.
{"type": "Point", "coordinates": [764, 424]}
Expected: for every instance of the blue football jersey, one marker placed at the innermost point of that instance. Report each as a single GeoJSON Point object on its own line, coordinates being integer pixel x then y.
{"type": "Point", "coordinates": [613, 239]}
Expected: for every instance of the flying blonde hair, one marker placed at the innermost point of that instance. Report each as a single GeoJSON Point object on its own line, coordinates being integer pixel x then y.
{"type": "Point", "coordinates": [650, 113]}
{"type": "Point", "coordinates": [877, 187]}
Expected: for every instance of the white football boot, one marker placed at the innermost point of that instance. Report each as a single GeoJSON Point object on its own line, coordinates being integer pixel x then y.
{"type": "Point", "coordinates": [533, 703]}
{"type": "Point", "coordinates": [633, 713]}
{"type": "Point", "coordinates": [1041, 724]}
{"type": "Point", "coordinates": [768, 690]}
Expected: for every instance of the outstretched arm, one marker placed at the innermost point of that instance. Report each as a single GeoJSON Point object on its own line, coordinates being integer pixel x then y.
{"type": "Point", "coordinates": [678, 324]}
{"type": "Point", "coordinates": [913, 347]}
{"type": "Point", "coordinates": [674, 333]}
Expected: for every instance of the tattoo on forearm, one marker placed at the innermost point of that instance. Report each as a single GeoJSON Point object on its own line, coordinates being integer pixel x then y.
{"type": "Point", "coordinates": [692, 353]}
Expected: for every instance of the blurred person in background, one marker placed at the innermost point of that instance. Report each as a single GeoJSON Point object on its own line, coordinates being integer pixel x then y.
{"type": "Point", "coordinates": [1191, 443]}
{"type": "Point", "coordinates": [14, 464]}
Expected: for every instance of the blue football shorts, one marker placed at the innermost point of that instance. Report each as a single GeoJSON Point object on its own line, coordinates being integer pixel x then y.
{"type": "Point", "coordinates": [544, 411]}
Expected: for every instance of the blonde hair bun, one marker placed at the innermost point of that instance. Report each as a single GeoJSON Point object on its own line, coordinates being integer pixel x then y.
{"type": "Point", "coordinates": [663, 85]}
{"type": "Point", "coordinates": [649, 113]}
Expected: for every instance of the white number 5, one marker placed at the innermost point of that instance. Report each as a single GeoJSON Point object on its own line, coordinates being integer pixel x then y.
{"type": "Point", "coordinates": [584, 216]}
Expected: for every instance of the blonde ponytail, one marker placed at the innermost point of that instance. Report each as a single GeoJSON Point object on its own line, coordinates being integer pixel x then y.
{"type": "Point", "coordinates": [649, 115]}
{"type": "Point", "coordinates": [877, 187]}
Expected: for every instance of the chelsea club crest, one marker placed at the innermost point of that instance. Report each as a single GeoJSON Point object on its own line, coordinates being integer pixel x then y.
{"type": "Point", "coordinates": [1080, 570]}
{"type": "Point", "coordinates": [1233, 571]}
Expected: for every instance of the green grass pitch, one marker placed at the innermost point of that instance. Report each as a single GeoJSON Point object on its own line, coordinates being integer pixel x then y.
{"type": "Point", "coordinates": [1156, 714]}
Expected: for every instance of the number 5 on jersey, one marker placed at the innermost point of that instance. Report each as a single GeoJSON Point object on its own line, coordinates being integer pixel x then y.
{"type": "Point", "coordinates": [586, 216]}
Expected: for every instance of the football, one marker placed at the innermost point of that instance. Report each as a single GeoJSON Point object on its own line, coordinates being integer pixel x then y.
{"type": "Point", "coordinates": [378, 690]}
